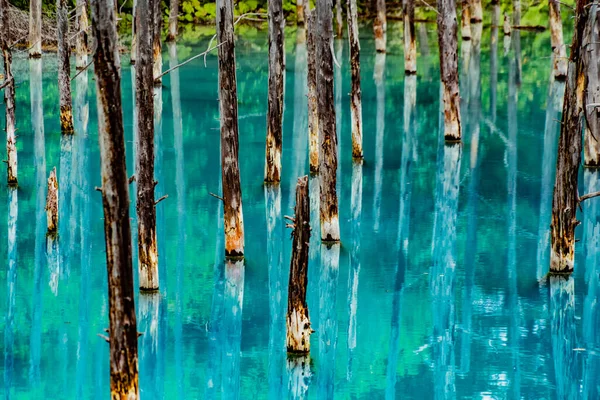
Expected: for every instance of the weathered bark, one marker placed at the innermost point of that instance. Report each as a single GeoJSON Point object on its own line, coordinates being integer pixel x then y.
{"type": "Point", "coordinates": [115, 199]}
{"type": "Point", "coordinates": [328, 163]}
{"type": "Point", "coordinates": [173, 15]}
{"type": "Point", "coordinates": [64, 68]}
{"type": "Point", "coordinates": [275, 94]}
{"type": "Point", "coordinates": [447, 29]}
{"type": "Point", "coordinates": [410, 42]}
{"type": "Point", "coordinates": [52, 203]}
{"type": "Point", "coordinates": [337, 85]}
{"type": "Point", "coordinates": [476, 11]}
{"type": "Point", "coordinates": [9, 96]}
{"type": "Point", "coordinates": [144, 160]}
{"type": "Point", "coordinates": [591, 55]}
{"type": "Point", "coordinates": [232, 192]}
{"type": "Point", "coordinates": [339, 22]}
{"type": "Point", "coordinates": [380, 26]}
{"type": "Point", "coordinates": [506, 25]}
{"type": "Point", "coordinates": [465, 21]}
{"type": "Point", "coordinates": [156, 45]}
{"type": "Point", "coordinates": [313, 115]}
{"type": "Point", "coordinates": [35, 28]}
{"type": "Point", "coordinates": [556, 39]}
{"type": "Point", "coordinates": [355, 93]}
{"type": "Point", "coordinates": [300, 16]}
{"type": "Point", "coordinates": [379, 78]}
{"type": "Point", "coordinates": [565, 199]}
{"type": "Point", "coordinates": [81, 41]}
{"type": "Point", "coordinates": [299, 376]}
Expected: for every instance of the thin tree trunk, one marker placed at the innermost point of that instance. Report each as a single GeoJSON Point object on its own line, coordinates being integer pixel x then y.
{"type": "Point", "coordinates": [64, 68]}
{"type": "Point", "coordinates": [556, 39]}
{"type": "Point", "coordinates": [233, 300]}
{"type": "Point", "coordinates": [275, 95]}
{"type": "Point", "coordinates": [144, 162]}
{"type": "Point", "coordinates": [379, 78]}
{"type": "Point", "coordinates": [156, 45]}
{"type": "Point", "coordinates": [476, 11]}
{"type": "Point", "coordinates": [173, 15]}
{"type": "Point", "coordinates": [300, 12]}
{"type": "Point", "coordinates": [506, 25]}
{"type": "Point", "coordinates": [355, 94]}
{"type": "Point", "coordinates": [410, 43]}
{"type": "Point", "coordinates": [133, 50]}
{"type": "Point", "coordinates": [313, 115]}
{"type": "Point", "coordinates": [565, 199]}
{"type": "Point", "coordinates": [447, 29]}
{"type": "Point", "coordinates": [232, 192]}
{"type": "Point", "coordinates": [115, 198]}
{"type": "Point", "coordinates": [380, 26]}
{"type": "Point", "coordinates": [330, 226]}
{"type": "Point", "coordinates": [354, 272]}
{"type": "Point", "coordinates": [494, 61]}
{"type": "Point", "coordinates": [592, 90]}
{"type": "Point", "coordinates": [35, 28]}
{"type": "Point", "coordinates": [339, 21]}
{"type": "Point", "coordinates": [52, 203]}
{"type": "Point", "coordinates": [82, 26]}
{"type": "Point", "coordinates": [9, 96]}
{"type": "Point", "coordinates": [465, 20]}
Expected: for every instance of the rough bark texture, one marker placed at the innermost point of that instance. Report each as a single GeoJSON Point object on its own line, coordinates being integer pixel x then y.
{"type": "Point", "coordinates": [232, 192]}
{"type": "Point", "coordinates": [447, 29]}
{"type": "Point", "coordinates": [298, 322]}
{"type": "Point", "coordinates": [339, 22]}
{"type": "Point", "coordinates": [313, 115]}
{"type": "Point", "coordinates": [355, 93]}
{"type": "Point", "coordinates": [144, 163]}
{"type": "Point", "coordinates": [592, 89]}
{"type": "Point", "coordinates": [35, 28]}
{"type": "Point", "coordinates": [52, 203]}
{"type": "Point", "coordinates": [556, 39]}
{"type": "Point", "coordinates": [64, 69]}
{"type": "Point", "coordinates": [275, 95]}
{"type": "Point", "coordinates": [380, 26]}
{"type": "Point", "coordinates": [330, 226]}
{"type": "Point", "coordinates": [115, 199]}
{"type": "Point", "coordinates": [82, 26]}
{"type": "Point", "coordinates": [173, 15]}
{"type": "Point", "coordinates": [476, 11]}
{"type": "Point", "coordinates": [9, 96]}
{"type": "Point", "coordinates": [410, 42]}
{"type": "Point", "coordinates": [565, 198]}
{"type": "Point", "coordinates": [465, 21]}
{"type": "Point", "coordinates": [156, 45]}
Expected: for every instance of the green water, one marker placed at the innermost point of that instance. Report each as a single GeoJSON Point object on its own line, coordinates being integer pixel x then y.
{"type": "Point", "coordinates": [437, 290]}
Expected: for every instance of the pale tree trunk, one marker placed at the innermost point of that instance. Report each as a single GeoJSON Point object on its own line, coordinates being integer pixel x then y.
{"type": "Point", "coordinates": [592, 90]}
{"type": "Point", "coordinates": [410, 42]}
{"type": "Point", "coordinates": [355, 93]}
{"type": "Point", "coordinates": [447, 30]}
{"type": "Point", "coordinates": [476, 11]}
{"type": "Point", "coordinates": [379, 78]}
{"type": "Point", "coordinates": [465, 21]}
{"type": "Point", "coordinates": [380, 26]}
{"type": "Point", "coordinates": [300, 15]}
{"type": "Point", "coordinates": [64, 68]}
{"type": "Point", "coordinates": [115, 198]}
{"type": "Point", "coordinates": [81, 41]}
{"type": "Point", "coordinates": [313, 115]}
{"type": "Point", "coordinates": [275, 92]}
{"type": "Point", "coordinates": [173, 15]}
{"type": "Point", "coordinates": [328, 163]}
{"type": "Point", "coordinates": [506, 25]}
{"type": "Point", "coordinates": [339, 21]}
{"type": "Point", "coordinates": [156, 45]}
{"type": "Point", "coordinates": [233, 300]}
{"type": "Point", "coordinates": [35, 28]}
{"type": "Point", "coordinates": [354, 272]}
{"type": "Point", "coordinates": [299, 376]}
{"type": "Point", "coordinates": [52, 203]}
{"type": "Point", "coordinates": [300, 129]}
{"type": "Point", "coordinates": [232, 192]}
{"type": "Point", "coordinates": [556, 39]}
{"type": "Point", "coordinates": [9, 96]}
{"type": "Point", "coordinates": [144, 160]}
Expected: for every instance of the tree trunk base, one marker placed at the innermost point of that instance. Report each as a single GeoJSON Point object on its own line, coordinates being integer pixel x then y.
{"type": "Point", "coordinates": [560, 265]}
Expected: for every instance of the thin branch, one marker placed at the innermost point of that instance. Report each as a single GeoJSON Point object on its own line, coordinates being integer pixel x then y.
{"type": "Point", "coordinates": [495, 130]}
{"type": "Point", "coordinates": [131, 179]}
{"type": "Point", "coordinates": [99, 189]}
{"type": "Point", "coordinates": [189, 59]}
{"type": "Point", "coordinates": [588, 196]}
{"type": "Point", "coordinates": [104, 337]}
{"type": "Point", "coordinates": [216, 197]}
{"type": "Point", "coordinates": [429, 6]}
{"type": "Point", "coordinates": [6, 83]}
{"type": "Point", "coordinates": [161, 199]}
{"type": "Point", "coordinates": [82, 69]}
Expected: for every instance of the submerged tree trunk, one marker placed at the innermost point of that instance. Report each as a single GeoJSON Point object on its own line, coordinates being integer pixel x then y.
{"type": "Point", "coordinates": [52, 203]}
{"type": "Point", "coordinates": [592, 90]}
{"type": "Point", "coordinates": [276, 87]}
{"type": "Point", "coordinates": [380, 26]}
{"type": "Point", "coordinates": [144, 163]}
{"type": "Point", "coordinates": [81, 27]}
{"type": "Point", "coordinates": [339, 22]}
{"type": "Point", "coordinates": [447, 29]}
{"type": "Point", "coordinates": [64, 68]}
{"type": "Point", "coordinates": [313, 115]}
{"type": "Point", "coordinates": [115, 198]}
{"type": "Point", "coordinates": [35, 28]}
{"type": "Point", "coordinates": [410, 42]}
{"type": "Point", "coordinates": [556, 39]}
{"type": "Point", "coordinates": [9, 96]}
{"type": "Point", "coordinates": [173, 15]}
{"type": "Point", "coordinates": [328, 163]}
{"type": "Point", "coordinates": [156, 46]}
{"type": "Point", "coordinates": [232, 191]}
{"type": "Point", "coordinates": [465, 21]}
{"type": "Point", "coordinates": [355, 94]}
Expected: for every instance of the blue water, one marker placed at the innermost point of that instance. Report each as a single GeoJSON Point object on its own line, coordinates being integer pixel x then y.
{"type": "Point", "coordinates": [438, 289]}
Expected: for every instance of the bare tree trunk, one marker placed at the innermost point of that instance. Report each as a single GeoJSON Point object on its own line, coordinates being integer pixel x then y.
{"type": "Point", "coordinates": [447, 29]}
{"type": "Point", "coordinates": [339, 21]}
{"type": "Point", "coordinates": [465, 20]}
{"type": "Point", "coordinates": [566, 199]}
{"type": "Point", "coordinates": [330, 226]}
{"type": "Point", "coordinates": [9, 96]}
{"type": "Point", "coordinates": [380, 26]}
{"type": "Point", "coordinates": [156, 45]}
{"type": "Point", "coordinates": [476, 11]}
{"type": "Point", "coordinates": [64, 68]}
{"type": "Point", "coordinates": [115, 198]}
{"type": "Point", "coordinates": [592, 90]}
{"type": "Point", "coordinates": [232, 192]}
{"type": "Point", "coordinates": [276, 87]}
{"type": "Point", "coordinates": [313, 115]}
{"type": "Point", "coordinates": [35, 28]}
{"type": "Point", "coordinates": [355, 94]}
{"type": "Point", "coordinates": [410, 42]}
{"type": "Point", "coordinates": [173, 15]}
{"type": "Point", "coordinates": [82, 26]}
{"type": "Point", "coordinates": [506, 25]}
{"type": "Point", "coordinates": [133, 50]}
{"type": "Point", "coordinates": [52, 203]}
{"type": "Point", "coordinates": [300, 14]}
{"type": "Point", "coordinates": [556, 38]}
{"type": "Point", "coordinates": [144, 162]}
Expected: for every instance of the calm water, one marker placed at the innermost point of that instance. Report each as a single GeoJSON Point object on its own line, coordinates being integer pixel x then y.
{"type": "Point", "coordinates": [437, 290]}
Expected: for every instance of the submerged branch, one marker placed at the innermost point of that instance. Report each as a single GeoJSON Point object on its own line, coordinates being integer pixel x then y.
{"type": "Point", "coordinates": [190, 59]}
{"type": "Point", "coordinates": [82, 70]}
{"type": "Point", "coordinates": [161, 199]}
{"type": "Point", "coordinates": [216, 197]}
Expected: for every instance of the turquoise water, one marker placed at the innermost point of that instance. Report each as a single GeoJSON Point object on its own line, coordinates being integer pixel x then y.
{"type": "Point", "coordinates": [438, 289]}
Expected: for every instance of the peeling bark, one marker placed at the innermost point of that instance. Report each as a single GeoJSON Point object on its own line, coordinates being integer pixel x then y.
{"type": "Point", "coordinates": [380, 26]}
{"type": "Point", "coordinates": [9, 96]}
{"type": "Point", "coordinates": [35, 28]}
{"type": "Point", "coordinates": [52, 203]}
{"type": "Point", "coordinates": [556, 39]}
{"type": "Point", "coordinates": [591, 57]}
{"type": "Point", "coordinates": [81, 40]}
{"type": "Point", "coordinates": [355, 93]}
{"type": "Point", "coordinates": [410, 43]}
{"type": "Point", "coordinates": [173, 15]}
{"type": "Point", "coordinates": [64, 68]}
{"type": "Point", "coordinates": [156, 45]}
{"type": "Point", "coordinates": [313, 115]}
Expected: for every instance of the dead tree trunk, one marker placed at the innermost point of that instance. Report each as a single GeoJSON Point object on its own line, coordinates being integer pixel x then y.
{"type": "Point", "coordinates": [300, 15]}
{"type": "Point", "coordinates": [52, 203]}
{"type": "Point", "coordinates": [380, 26]}
{"type": "Point", "coordinates": [35, 28]}
{"type": "Point", "coordinates": [144, 163]}
{"type": "Point", "coordinates": [330, 226]}
{"type": "Point", "coordinates": [133, 50]}
{"type": "Point", "coordinates": [447, 29]}
{"type": "Point", "coordinates": [410, 42]}
{"type": "Point", "coordinates": [298, 322]}
{"type": "Point", "coordinates": [339, 22]}
{"type": "Point", "coordinates": [232, 191]}
{"type": "Point", "coordinates": [115, 198]}
{"type": "Point", "coordinates": [82, 25]}
{"type": "Point", "coordinates": [313, 115]}
{"type": "Point", "coordinates": [173, 15]}
{"type": "Point", "coordinates": [506, 25]}
{"type": "Point", "coordinates": [355, 94]}
{"type": "Point", "coordinates": [465, 21]}
{"type": "Point", "coordinates": [156, 46]}
{"type": "Point", "coordinates": [64, 68]}
{"type": "Point", "coordinates": [476, 11]}
{"type": "Point", "coordinates": [9, 96]}
{"type": "Point", "coordinates": [276, 86]}
{"type": "Point", "coordinates": [556, 38]}
{"type": "Point", "coordinates": [566, 199]}
{"type": "Point", "coordinates": [592, 90]}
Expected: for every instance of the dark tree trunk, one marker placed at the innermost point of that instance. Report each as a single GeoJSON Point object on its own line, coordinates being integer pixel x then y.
{"type": "Point", "coordinates": [9, 96]}
{"type": "Point", "coordinates": [410, 42]}
{"type": "Point", "coordinates": [173, 15]}
{"type": "Point", "coordinates": [556, 39]}
{"type": "Point", "coordinates": [592, 90]}
{"type": "Point", "coordinates": [232, 191]}
{"type": "Point", "coordinates": [447, 30]}
{"type": "Point", "coordinates": [330, 226]}
{"type": "Point", "coordinates": [380, 26]}
{"type": "Point", "coordinates": [35, 28]}
{"type": "Point", "coordinates": [64, 67]}
{"type": "Point", "coordinates": [276, 86]}
{"type": "Point", "coordinates": [115, 199]}
{"type": "Point", "coordinates": [313, 114]}
{"type": "Point", "coordinates": [81, 42]}
{"type": "Point", "coordinates": [156, 45]}
{"type": "Point", "coordinates": [52, 203]}
{"type": "Point", "coordinates": [355, 94]}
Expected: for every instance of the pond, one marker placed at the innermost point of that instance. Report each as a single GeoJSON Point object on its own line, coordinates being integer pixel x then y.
{"type": "Point", "coordinates": [438, 289]}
